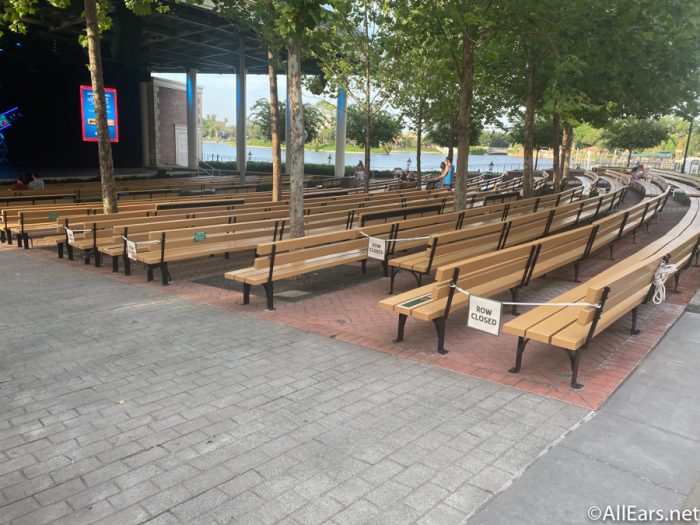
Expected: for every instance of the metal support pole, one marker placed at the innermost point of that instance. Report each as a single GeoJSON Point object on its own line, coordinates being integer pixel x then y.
{"type": "Point", "coordinates": [287, 130]}
{"type": "Point", "coordinates": [192, 117]}
{"type": "Point", "coordinates": [241, 117]}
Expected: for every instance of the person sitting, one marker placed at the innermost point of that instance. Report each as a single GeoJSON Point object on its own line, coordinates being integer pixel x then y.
{"type": "Point", "coordinates": [18, 185]}
{"type": "Point", "coordinates": [36, 183]}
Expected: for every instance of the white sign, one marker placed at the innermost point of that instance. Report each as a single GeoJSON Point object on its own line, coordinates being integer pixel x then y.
{"type": "Point", "coordinates": [71, 236]}
{"type": "Point", "coordinates": [484, 315]}
{"type": "Point", "coordinates": [376, 248]}
{"type": "Point", "coordinates": [131, 250]}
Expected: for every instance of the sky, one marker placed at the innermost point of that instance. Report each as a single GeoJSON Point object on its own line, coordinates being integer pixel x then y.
{"type": "Point", "coordinates": [219, 95]}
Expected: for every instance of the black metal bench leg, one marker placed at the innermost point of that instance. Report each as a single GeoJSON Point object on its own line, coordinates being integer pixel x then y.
{"type": "Point", "coordinates": [402, 324]}
{"type": "Point", "coordinates": [385, 268]}
{"type": "Point", "coordinates": [522, 343]}
{"type": "Point", "coordinates": [127, 264]}
{"type": "Point", "coordinates": [246, 293]}
{"type": "Point", "coordinates": [86, 256]}
{"type": "Point", "coordinates": [115, 263]}
{"type": "Point", "coordinates": [364, 266]}
{"type": "Point", "coordinates": [25, 240]}
{"type": "Point", "coordinates": [676, 279]}
{"type": "Point", "coordinates": [164, 274]}
{"type": "Point", "coordinates": [8, 234]}
{"type": "Point", "coordinates": [269, 295]}
{"type": "Point", "coordinates": [611, 246]}
{"type": "Point", "coordinates": [19, 240]}
{"type": "Point", "coordinates": [2, 236]}
{"type": "Point", "coordinates": [577, 264]}
{"type": "Point", "coordinates": [60, 250]}
{"type": "Point", "coordinates": [98, 259]}
{"type": "Point", "coordinates": [392, 278]}
{"type": "Point", "coordinates": [634, 330]}
{"type": "Point", "coordinates": [514, 296]}
{"type": "Point", "coordinates": [440, 327]}
{"type": "Point", "coordinates": [69, 251]}
{"type": "Point", "coordinates": [575, 357]}
{"type": "Point", "coordinates": [149, 272]}
{"type": "Point", "coordinates": [634, 236]}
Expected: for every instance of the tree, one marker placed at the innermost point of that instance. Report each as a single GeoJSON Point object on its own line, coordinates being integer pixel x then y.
{"type": "Point", "coordinates": [96, 20]}
{"type": "Point", "coordinates": [631, 134]}
{"type": "Point", "coordinates": [297, 19]}
{"type": "Point", "coordinates": [543, 135]}
{"type": "Point", "coordinates": [453, 31]}
{"type": "Point", "coordinates": [385, 127]}
{"type": "Point", "coordinates": [209, 126]}
{"type": "Point", "coordinates": [261, 116]}
{"type": "Point", "coordinates": [353, 54]}
{"type": "Point", "coordinates": [263, 17]}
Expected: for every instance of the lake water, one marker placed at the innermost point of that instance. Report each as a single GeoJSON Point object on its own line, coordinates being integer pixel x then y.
{"type": "Point", "coordinates": [379, 161]}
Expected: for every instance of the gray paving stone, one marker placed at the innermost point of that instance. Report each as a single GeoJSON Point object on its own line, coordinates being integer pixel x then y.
{"type": "Point", "coordinates": [225, 418]}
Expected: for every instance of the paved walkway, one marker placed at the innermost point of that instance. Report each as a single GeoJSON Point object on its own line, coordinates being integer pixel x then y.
{"type": "Point", "coordinates": [123, 404]}
{"type": "Point", "coordinates": [642, 448]}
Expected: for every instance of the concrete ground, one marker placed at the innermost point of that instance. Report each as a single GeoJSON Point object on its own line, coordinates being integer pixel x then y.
{"type": "Point", "coordinates": [121, 404]}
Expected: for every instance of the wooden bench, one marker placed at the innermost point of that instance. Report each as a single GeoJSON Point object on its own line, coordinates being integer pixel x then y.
{"type": "Point", "coordinates": [519, 265]}
{"type": "Point", "coordinates": [279, 260]}
{"type": "Point", "coordinates": [447, 247]}
{"type": "Point", "coordinates": [620, 291]}
{"type": "Point", "coordinates": [495, 233]}
{"type": "Point", "coordinates": [484, 275]}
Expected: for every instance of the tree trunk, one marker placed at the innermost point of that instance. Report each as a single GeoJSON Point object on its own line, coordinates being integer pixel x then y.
{"type": "Point", "coordinates": [274, 118]}
{"type": "Point", "coordinates": [556, 172]}
{"type": "Point", "coordinates": [629, 157]}
{"type": "Point", "coordinates": [104, 147]}
{"type": "Point", "coordinates": [419, 142]}
{"type": "Point", "coordinates": [529, 141]}
{"type": "Point", "coordinates": [466, 88]}
{"type": "Point", "coordinates": [567, 141]}
{"type": "Point", "coordinates": [368, 102]}
{"type": "Point", "coordinates": [296, 142]}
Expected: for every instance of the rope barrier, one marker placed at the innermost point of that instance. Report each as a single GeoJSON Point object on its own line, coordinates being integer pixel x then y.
{"type": "Point", "coordinates": [78, 231]}
{"type": "Point", "coordinates": [138, 243]}
{"type": "Point", "coordinates": [400, 240]}
{"type": "Point", "coordinates": [662, 274]}
{"type": "Point", "coordinates": [582, 305]}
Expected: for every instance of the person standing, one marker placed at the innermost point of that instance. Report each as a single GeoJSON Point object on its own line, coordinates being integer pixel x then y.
{"type": "Point", "coordinates": [359, 175]}
{"type": "Point", "coordinates": [447, 174]}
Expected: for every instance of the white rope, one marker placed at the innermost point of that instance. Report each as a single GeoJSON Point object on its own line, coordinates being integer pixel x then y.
{"type": "Point", "coordinates": [589, 305]}
{"type": "Point", "coordinates": [400, 240]}
{"type": "Point", "coordinates": [138, 243]}
{"type": "Point", "coordinates": [78, 231]}
{"type": "Point", "coordinates": [662, 274]}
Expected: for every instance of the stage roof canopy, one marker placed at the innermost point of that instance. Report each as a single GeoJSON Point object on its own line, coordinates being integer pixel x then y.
{"type": "Point", "coordinates": [186, 37]}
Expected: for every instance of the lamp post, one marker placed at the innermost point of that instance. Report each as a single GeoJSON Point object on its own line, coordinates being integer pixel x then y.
{"type": "Point", "coordinates": [329, 159]}
{"type": "Point", "coordinates": [408, 165]}
{"type": "Point", "coordinates": [250, 155]}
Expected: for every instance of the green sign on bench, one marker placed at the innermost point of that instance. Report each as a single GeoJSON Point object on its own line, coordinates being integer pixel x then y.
{"type": "Point", "coordinates": [53, 216]}
{"type": "Point", "coordinates": [200, 236]}
{"type": "Point", "coordinates": [417, 301]}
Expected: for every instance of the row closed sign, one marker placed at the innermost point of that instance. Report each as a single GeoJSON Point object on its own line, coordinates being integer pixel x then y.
{"type": "Point", "coordinates": [484, 315]}
{"type": "Point", "coordinates": [376, 249]}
